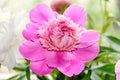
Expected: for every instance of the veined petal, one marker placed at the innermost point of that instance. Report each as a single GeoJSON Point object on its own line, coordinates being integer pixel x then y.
{"type": "Point", "coordinates": [88, 53]}
{"type": "Point", "coordinates": [33, 50]}
{"type": "Point", "coordinates": [40, 67]}
{"type": "Point", "coordinates": [75, 67]}
{"type": "Point", "coordinates": [77, 14]}
{"type": "Point", "coordinates": [88, 38]}
{"type": "Point", "coordinates": [41, 13]}
{"type": "Point", "coordinates": [29, 32]}
{"type": "Point", "coordinates": [56, 59]}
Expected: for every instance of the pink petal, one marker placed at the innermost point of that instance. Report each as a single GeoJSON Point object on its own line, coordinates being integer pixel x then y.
{"type": "Point", "coordinates": [88, 53]}
{"type": "Point", "coordinates": [85, 44]}
{"type": "Point", "coordinates": [77, 14]}
{"type": "Point", "coordinates": [75, 67]}
{"type": "Point", "coordinates": [117, 67]}
{"type": "Point", "coordinates": [56, 14]}
{"type": "Point", "coordinates": [40, 67]}
{"type": "Point", "coordinates": [29, 32]}
{"type": "Point", "coordinates": [41, 13]}
{"type": "Point", "coordinates": [56, 59]}
{"type": "Point", "coordinates": [117, 76]}
{"type": "Point", "coordinates": [117, 70]}
{"type": "Point", "coordinates": [89, 36]}
{"type": "Point", "coordinates": [32, 50]}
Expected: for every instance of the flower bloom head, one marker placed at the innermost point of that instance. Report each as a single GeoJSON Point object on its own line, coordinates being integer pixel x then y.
{"type": "Point", "coordinates": [117, 70]}
{"type": "Point", "coordinates": [58, 41]}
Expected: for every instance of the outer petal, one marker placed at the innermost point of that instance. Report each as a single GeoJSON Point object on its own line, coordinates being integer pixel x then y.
{"type": "Point", "coordinates": [41, 13]}
{"type": "Point", "coordinates": [117, 76]}
{"type": "Point", "coordinates": [29, 32]}
{"type": "Point", "coordinates": [40, 67]}
{"type": "Point", "coordinates": [33, 50]}
{"type": "Point", "coordinates": [117, 67]}
{"type": "Point", "coordinates": [57, 59]}
{"type": "Point", "coordinates": [117, 70]}
{"type": "Point", "coordinates": [88, 37]}
{"type": "Point", "coordinates": [75, 67]}
{"type": "Point", "coordinates": [76, 13]}
{"type": "Point", "coordinates": [88, 53]}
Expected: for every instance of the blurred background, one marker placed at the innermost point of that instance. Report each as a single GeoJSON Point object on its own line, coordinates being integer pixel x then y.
{"type": "Point", "coordinates": [103, 16]}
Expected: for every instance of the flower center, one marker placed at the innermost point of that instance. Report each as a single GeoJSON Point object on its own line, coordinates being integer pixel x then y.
{"type": "Point", "coordinates": [60, 34]}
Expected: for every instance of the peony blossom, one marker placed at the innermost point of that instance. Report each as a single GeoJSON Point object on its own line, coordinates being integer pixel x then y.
{"type": "Point", "coordinates": [117, 70]}
{"type": "Point", "coordinates": [58, 41]}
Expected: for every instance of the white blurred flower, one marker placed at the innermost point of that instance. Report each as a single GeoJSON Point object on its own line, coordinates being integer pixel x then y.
{"type": "Point", "coordinates": [11, 26]}
{"type": "Point", "coordinates": [7, 40]}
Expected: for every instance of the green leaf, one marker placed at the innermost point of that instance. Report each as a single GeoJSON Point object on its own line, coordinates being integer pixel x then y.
{"type": "Point", "coordinates": [17, 77]}
{"type": "Point", "coordinates": [80, 76]}
{"type": "Point", "coordinates": [108, 49]}
{"type": "Point", "coordinates": [60, 76]}
{"type": "Point", "coordinates": [42, 77]}
{"type": "Point", "coordinates": [94, 76]}
{"type": "Point", "coordinates": [107, 68]}
{"type": "Point", "coordinates": [28, 73]}
{"type": "Point", "coordinates": [13, 77]}
{"type": "Point", "coordinates": [20, 77]}
{"type": "Point", "coordinates": [87, 77]}
{"type": "Point", "coordinates": [20, 67]}
{"type": "Point", "coordinates": [114, 40]}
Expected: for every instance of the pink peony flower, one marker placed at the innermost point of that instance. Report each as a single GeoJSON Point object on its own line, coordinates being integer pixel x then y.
{"type": "Point", "coordinates": [58, 41]}
{"type": "Point", "coordinates": [117, 70]}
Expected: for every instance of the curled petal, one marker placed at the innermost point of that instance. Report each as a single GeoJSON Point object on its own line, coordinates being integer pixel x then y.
{"type": "Point", "coordinates": [77, 14]}
{"type": "Point", "coordinates": [32, 50]}
{"type": "Point", "coordinates": [88, 38]}
{"type": "Point", "coordinates": [88, 53]}
{"type": "Point", "coordinates": [29, 32]}
{"type": "Point", "coordinates": [40, 67]}
{"type": "Point", "coordinates": [41, 13]}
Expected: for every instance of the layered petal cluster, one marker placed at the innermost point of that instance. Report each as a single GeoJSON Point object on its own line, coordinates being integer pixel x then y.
{"type": "Point", "coordinates": [58, 41]}
{"type": "Point", "coordinates": [117, 70]}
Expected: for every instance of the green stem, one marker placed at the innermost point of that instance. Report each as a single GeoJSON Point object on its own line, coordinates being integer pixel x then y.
{"type": "Point", "coordinates": [103, 19]}
{"type": "Point", "coordinates": [100, 40]}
